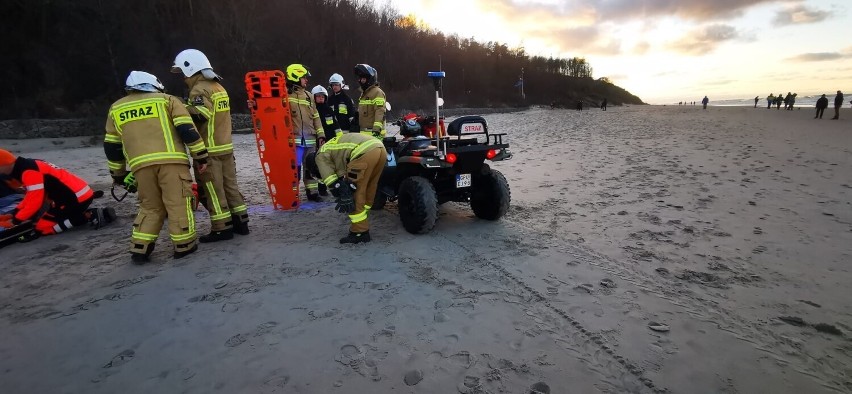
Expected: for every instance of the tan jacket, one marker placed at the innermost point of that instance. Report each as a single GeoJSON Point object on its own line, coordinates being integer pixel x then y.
{"type": "Point", "coordinates": [306, 120]}
{"type": "Point", "coordinates": [334, 156]}
{"type": "Point", "coordinates": [209, 100]}
{"type": "Point", "coordinates": [143, 126]}
{"type": "Point", "coordinates": [371, 110]}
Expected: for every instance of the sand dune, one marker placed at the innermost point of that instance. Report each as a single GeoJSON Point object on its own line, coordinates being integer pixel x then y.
{"type": "Point", "coordinates": [647, 249]}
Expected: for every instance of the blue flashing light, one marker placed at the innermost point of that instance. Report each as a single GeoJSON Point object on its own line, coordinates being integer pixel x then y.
{"type": "Point", "coordinates": [436, 74]}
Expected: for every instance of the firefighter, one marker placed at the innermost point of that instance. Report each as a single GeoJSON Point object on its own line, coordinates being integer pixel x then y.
{"type": "Point", "coordinates": [307, 128]}
{"type": "Point", "coordinates": [55, 200]}
{"type": "Point", "coordinates": [329, 120]}
{"type": "Point", "coordinates": [371, 104]}
{"type": "Point", "coordinates": [150, 131]}
{"type": "Point", "coordinates": [342, 105]}
{"type": "Point", "coordinates": [350, 165]}
{"type": "Point", "coordinates": [210, 108]}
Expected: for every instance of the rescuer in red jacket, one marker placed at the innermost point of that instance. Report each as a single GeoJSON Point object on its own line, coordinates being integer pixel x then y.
{"type": "Point", "coordinates": [55, 200]}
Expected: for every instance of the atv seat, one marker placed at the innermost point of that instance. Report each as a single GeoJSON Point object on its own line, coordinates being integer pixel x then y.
{"type": "Point", "coordinates": [470, 124]}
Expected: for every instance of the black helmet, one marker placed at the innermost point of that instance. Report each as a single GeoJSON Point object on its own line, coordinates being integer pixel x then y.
{"type": "Point", "coordinates": [367, 71]}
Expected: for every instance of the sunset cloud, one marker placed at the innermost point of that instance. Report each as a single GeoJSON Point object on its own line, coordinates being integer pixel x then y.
{"type": "Point", "coordinates": [818, 57]}
{"type": "Point", "coordinates": [799, 15]}
{"type": "Point", "coordinates": [704, 40]}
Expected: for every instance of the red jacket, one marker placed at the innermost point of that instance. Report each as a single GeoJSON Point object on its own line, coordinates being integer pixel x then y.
{"type": "Point", "coordinates": [46, 183]}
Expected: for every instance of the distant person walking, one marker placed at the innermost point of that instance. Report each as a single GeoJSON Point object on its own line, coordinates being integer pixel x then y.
{"type": "Point", "coordinates": [792, 101]}
{"type": "Point", "coordinates": [778, 100]}
{"type": "Point", "coordinates": [838, 102]}
{"type": "Point", "coordinates": [821, 105]}
{"type": "Point", "coordinates": [705, 101]}
{"type": "Point", "coordinates": [580, 105]}
{"type": "Point", "coordinates": [603, 105]}
{"type": "Point", "coordinates": [756, 99]}
{"type": "Point", "coordinates": [770, 100]}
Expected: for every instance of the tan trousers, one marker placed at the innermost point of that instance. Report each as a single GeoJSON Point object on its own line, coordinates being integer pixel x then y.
{"type": "Point", "coordinates": [365, 171]}
{"type": "Point", "coordinates": [218, 191]}
{"type": "Point", "coordinates": [165, 191]}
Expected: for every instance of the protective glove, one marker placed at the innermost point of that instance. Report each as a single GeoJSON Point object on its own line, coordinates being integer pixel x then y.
{"type": "Point", "coordinates": [130, 183]}
{"type": "Point", "coordinates": [118, 179]}
{"type": "Point", "coordinates": [344, 190]}
{"type": "Point", "coordinates": [377, 131]}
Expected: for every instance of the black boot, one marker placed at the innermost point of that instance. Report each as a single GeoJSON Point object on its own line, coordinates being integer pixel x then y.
{"type": "Point", "coordinates": [180, 255]}
{"type": "Point", "coordinates": [355, 238]}
{"type": "Point", "coordinates": [314, 197]}
{"type": "Point", "coordinates": [144, 256]}
{"type": "Point", "coordinates": [216, 236]}
{"type": "Point", "coordinates": [100, 217]}
{"type": "Point", "coordinates": [240, 224]}
{"type": "Point", "coordinates": [323, 190]}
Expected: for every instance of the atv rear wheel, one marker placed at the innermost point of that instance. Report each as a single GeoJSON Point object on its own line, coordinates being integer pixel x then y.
{"type": "Point", "coordinates": [418, 205]}
{"type": "Point", "coordinates": [379, 201]}
{"type": "Point", "coordinates": [490, 196]}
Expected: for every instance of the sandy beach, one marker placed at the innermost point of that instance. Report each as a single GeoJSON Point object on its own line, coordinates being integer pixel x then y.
{"type": "Point", "coordinates": [647, 249]}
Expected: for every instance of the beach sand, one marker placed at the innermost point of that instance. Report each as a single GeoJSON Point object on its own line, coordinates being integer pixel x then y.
{"type": "Point", "coordinates": [728, 229]}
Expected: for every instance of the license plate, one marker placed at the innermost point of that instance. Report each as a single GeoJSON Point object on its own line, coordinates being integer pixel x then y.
{"type": "Point", "coordinates": [463, 180]}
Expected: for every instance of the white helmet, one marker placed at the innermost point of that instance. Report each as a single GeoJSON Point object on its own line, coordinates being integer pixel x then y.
{"type": "Point", "coordinates": [335, 78]}
{"type": "Point", "coordinates": [143, 82]}
{"type": "Point", "coordinates": [191, 61]}
{"type": "Point", "coordinates": [319, 90]}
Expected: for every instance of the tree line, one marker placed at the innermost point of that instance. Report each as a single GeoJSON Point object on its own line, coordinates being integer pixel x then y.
{"type": "Point", "coordinates": [69, 58]}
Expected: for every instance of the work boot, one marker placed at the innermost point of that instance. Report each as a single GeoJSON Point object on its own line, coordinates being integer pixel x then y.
{"type": "Point", "coordinates": [355, 238]}
{"type": "Point", "coordinates": [314, 197]}
{"type": "Point", "coordinates": [240, 227]}
{"type": "Point", "coordinates": [323, 190]}
{"type": "Point", "coordinates": [139, 258]}
{"type": "Point", "coordinates": [100, 217]}
{"type": "Point", "coordinates": [216, 236]}
{"type": "Point", "coordinates": [180, 255]}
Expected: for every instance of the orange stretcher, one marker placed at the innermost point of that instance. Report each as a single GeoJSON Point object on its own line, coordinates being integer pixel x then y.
{"type": "Point", "coordinates": [273, 129]}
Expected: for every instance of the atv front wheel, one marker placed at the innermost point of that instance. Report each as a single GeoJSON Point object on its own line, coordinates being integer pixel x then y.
{"type": "Point", "coordinates": [490, 196]}
{"type": "Point", "coordinates": [418, 205]}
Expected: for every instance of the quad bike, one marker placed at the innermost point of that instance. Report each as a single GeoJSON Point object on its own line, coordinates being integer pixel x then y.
{"type": "Point", "coordinates": [432, 165]}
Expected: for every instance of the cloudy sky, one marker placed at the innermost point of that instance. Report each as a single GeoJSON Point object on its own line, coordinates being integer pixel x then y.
{"type": "Point", "coordinates": [670, 50]}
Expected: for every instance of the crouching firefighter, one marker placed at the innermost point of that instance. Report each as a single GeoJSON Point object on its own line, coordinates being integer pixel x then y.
{"type": "Point", "coordinates": [149, 131]}
{"type": "Point", "coordinates": [56, 200]}
{"type": "Point", "coordinates": [350, 165]}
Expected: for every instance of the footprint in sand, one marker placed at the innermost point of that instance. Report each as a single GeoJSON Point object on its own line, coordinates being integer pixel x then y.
{"type": "Point", "coordinates": [540, 388]}
{"type": "Point", "coordinates": [120, 359]}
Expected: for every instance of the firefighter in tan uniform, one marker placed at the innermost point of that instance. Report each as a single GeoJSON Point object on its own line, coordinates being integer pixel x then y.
{"type": "Point", "coordinates": [350, 165]}
{"type": "Point", "coordinates": [371, 104]}
{"type": "Point", "coordinates": [150, 131]}
{"type": "Point", "coordinates": [210, 108]}
{"type": "Point", "coordinates": [307, 127]}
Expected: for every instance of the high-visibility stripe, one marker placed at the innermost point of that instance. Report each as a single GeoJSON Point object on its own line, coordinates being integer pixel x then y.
{"type": "Point", "coordinates": [299, 101]}
{"type": "Point", "coordinates": [181, 237]}
{"type": "Point", "coordinates": [312, 185]}
{"type": "Point", "coordinates": [342, 109]}
{"type": "Point", "coordinates": [358, 217]}
{"type": "Point", "coordinates": [144, 236]}
{"type": "Point", "coordinates": [220, 148]}
{"type": "Point", "coordinates": [239, 209]}
{"type": "Point", "coordinates": [112, 138]}
{"type": "Point", "coordinates": [364, 147]}
{"type": "Point", "coordinates": [379, 101]}
{"type": "Point", "coordinates": [190, 215]}
{"type": "Point", "coordinates": [115, 165]}
{"type": "Point", "coordinates": [338, 146]}
{"type": "Point", "coordinates": [204, 111]}
{"type": "Point", "coordinates": [330, 179]}
{"type": "Point", "coordinates": [83, 191]}
{"type": "Point", "coordinates": [157, 156]}
{"type": "Point", "coordinates": [198, 146]}
{"type": "Point", "coordinates": [167, 129]}
{"type": "Point", "coordinates": [182, 120]}
{"type": "Point", "coordinates": [217, 213]}
{"type": "Point", "coordinates": [378, 124]}
{"type": "Point", "coordinates": [155, 100]}
{"type": "Point", "coordinates": [37, 186]}
{"type": "Point", "coordinates": [57, 228]}
{"type": "Point", "coordinates": [367, 207]}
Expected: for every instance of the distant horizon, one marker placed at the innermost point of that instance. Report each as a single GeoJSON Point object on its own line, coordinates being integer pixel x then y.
{"type": "Point", "coordinates": [658, 48]}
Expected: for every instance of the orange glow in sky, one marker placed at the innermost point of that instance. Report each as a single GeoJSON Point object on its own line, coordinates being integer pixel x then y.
{"type": "Point", "coordinates": [666, 51]}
